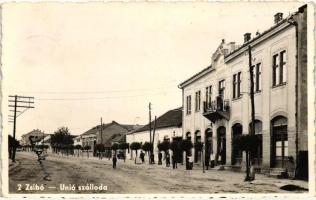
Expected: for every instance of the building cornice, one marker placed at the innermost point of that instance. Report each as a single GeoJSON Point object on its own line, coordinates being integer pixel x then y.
{"type": "Point", "coordinates": [196, 77]}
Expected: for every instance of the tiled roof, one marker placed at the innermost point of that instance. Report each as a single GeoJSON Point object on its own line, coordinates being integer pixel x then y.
{"type": "Point", "coordinates": [119, 138]}
{"type": "Point", "coordinates": [104, 126]}
{"type": "Point", "coordinates": [35, 131]}
{"type": "Point", "coordinates": [172, 118]}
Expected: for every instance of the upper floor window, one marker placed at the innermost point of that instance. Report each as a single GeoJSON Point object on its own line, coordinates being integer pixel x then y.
{"type": "Point", "coordinates": [188, 105]}
{"type": "Point", "coordinates": [208, 95]}
{"type": "Point", "coordinates": [221, 89]}
{"type": "Point", "coordinates": [279, 69]}
{"type": "Point", "coordinates": [257, 77]}
{"type": "Point", "coordinates": [236, 85]}
{"type": "Point", "coordinates": [197, 101]}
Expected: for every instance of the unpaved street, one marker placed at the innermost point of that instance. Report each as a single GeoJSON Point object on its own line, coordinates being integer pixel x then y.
{"type": "Point", "coordinates": [131, 178]}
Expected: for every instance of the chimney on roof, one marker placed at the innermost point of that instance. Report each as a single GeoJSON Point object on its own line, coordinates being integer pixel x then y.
{"type": "Point", "coordinates": [247, 37]}
{"type": "Point", "coordinates": [278, 17]}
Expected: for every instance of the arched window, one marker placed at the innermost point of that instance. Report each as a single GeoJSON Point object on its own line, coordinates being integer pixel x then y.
{"type": "Point", "coordinates": [236, 152]}
{"type": "Point", "coordinates": [197, 136]}
{"type": "Point", "coordinates": [279, 141]}
{"type": "Point", "coordinates": [258, 132]}
{"type": "Point", "coordinates": [197, 139]}
{"type": "Point", "coordinates": [208, 144]}
{"type": "Point", "coordinates": [221, 145]}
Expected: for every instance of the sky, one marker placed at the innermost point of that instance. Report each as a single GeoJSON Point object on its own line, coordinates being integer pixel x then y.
{"type": "Point", "coordinates": [84, 61]}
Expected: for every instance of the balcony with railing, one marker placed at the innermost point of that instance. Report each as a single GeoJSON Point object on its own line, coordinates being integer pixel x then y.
{"type": "Point", "coordinates": [216, 110]}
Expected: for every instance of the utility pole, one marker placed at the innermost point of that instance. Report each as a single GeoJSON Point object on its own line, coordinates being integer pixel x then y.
{"type": "Point", "coordinates": [152, 149]}
{"type": "Point", "coordinates": [149, 107]}
{"type": "Point", "coordinates": [18, 102]}
{"type": "Point", "coordinates": [101, 132]}
{"type": "Point", "coordinates": [251, 93]}
{"type": "Point", "coordinates": [252, 101]}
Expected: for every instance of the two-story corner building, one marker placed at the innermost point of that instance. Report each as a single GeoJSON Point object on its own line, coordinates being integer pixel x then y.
{"type": "Point", "coordinates": [217, 100]}
{"type": "Point", "coordinates": [168, 128]}
{"type": "Point", "coordinates": [199, 93]}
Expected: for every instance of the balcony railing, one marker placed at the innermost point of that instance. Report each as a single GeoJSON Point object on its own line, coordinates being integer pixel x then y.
{"type": "Point", "coordinates": [217, 109]}
{"type": "Point", "coordinates": [217, 105]}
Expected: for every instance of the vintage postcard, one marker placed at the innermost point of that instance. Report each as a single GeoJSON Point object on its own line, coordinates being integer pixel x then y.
{"type": "Point", "coordinates": [165, 98]}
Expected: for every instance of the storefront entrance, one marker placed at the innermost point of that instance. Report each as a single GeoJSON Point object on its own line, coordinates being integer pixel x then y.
{"type": "Point", "coordinates": [221, 145]}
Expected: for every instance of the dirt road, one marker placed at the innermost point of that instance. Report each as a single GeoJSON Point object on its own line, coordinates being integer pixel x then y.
{"type": "Point", "coordinates": [129, 178]}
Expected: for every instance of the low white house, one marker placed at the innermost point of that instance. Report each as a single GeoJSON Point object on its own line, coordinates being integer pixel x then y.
{"type": "Point", "coordinates": [168, 128]}
{"type": "Point", "coordinates": [78, 140]}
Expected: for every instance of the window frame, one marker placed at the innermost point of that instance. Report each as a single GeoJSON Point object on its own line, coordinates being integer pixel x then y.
{"type": "Point", "coordinates": [237, 79]}
{"type": "Point", "coordinates": [197, 101]}
{"type": "Point", "coordinates": [188, 105]}
{"type": "Point", "coordinates": [279, 68]}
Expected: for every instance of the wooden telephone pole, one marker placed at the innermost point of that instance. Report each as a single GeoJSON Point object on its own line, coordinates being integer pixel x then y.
{"type": "Point", "coordinates": [149, 107]}
{"type": "Point", "coordinates": [252, 101]}
{"type": "Point", "coordinates": [24, 103]}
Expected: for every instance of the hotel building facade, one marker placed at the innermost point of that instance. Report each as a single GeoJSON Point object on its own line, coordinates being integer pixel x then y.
{"type": "Point", "coordinates": [216, 101]}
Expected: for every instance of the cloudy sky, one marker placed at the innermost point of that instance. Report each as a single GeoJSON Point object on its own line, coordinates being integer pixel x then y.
{"type": "Point", "coordinates": [84, 61]}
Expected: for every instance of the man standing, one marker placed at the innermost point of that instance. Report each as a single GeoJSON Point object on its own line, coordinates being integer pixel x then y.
{"type": "Point", "coordinates": [114, 159]}
{"type": "Point", "coordinates": [142, 156]}
{"type": "Point", "coordinates": [174, 161]}
{"type": "Point", "coordinates": [160, 158]}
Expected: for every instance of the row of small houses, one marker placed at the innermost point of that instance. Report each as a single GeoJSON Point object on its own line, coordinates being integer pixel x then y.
{"type": "Point", "coordinates": [168, 127]}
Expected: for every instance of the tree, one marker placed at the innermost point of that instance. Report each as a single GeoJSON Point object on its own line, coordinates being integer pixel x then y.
{"type": "Point", "coordinates": [124, 146]}
{"type": "Point", "coordinates": [186, 145]}
{"type": "Point", "coordinates": [147, 147]}
{"type": "Point", "coordinates": [164, 146]}
{"type": "Point", "coordinates": [249, 144]}
{"type": "Point", "coordinates": [78, 147]}
{"type": "Point", "coordinates": [100, 148]}
{"type": "Point", "coordinates": [115, 147]}
{"type": "Point", "coordinates": [13, 144]}
{"type": "Point", "coordinates": [176, 149]}
{"type": "Point", "coordinates": [135, 146]}
{"type": "Point", "coordinates": [87, 148]}
{"type": "Point", "coordinates": [61, 139]}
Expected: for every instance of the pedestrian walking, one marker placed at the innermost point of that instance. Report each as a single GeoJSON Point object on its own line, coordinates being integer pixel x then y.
{"type": "Point", "coordinates": [174, 161]}
{"type": "Point", "coordinates": [114, 160]}
{"type": "Point", "coordinates": [167, 160]}
{"type": "Point", "coordinates": [160, 158]}
{"type": "Point", "coordinates": [142, 156]}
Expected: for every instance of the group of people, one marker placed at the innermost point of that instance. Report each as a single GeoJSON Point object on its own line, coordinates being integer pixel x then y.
{"type": "Point", "coordinates": [151, 158]}
{"type": "Point", "coordinates": [167, 159]}
{"type": "Point", "coordinates": [209, 161]}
